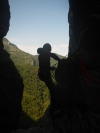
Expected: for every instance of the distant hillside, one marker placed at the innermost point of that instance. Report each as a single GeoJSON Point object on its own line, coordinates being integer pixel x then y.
{"type": "Point", "coordinates": [19, 56]}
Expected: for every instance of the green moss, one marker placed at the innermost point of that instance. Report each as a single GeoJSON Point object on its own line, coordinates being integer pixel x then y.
{"type": "Point", "coordinates": [36, 94]}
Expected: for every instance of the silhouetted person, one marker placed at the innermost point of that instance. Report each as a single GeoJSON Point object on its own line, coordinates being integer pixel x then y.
{"type": "Point", "coordinates": [44, 65]}
{"type": "Point", "coordinates": [44, 62]}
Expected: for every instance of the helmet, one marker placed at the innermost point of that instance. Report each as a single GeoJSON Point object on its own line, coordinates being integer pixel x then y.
{"type": "Point", "coordinates": [47, 47]}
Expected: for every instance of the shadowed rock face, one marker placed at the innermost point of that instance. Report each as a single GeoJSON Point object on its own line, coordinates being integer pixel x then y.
{"type": "Point", "coordinates": [11, 83]}
{"type": "Point", "coordinates": [11, 91]}
{"type": "Point", "coordinates": [83, 15]}
{"type": "Point", "coordinates": [4, 17]}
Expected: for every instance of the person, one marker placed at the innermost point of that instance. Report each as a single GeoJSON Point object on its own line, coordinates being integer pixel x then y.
{"type": "Point", "coordinates": [44, 73]}
{"type": "Point", "coordinates": [44, 64]}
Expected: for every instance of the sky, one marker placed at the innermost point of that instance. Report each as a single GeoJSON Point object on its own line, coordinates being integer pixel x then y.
{"type": "Point", "coordinates": [35, 22]}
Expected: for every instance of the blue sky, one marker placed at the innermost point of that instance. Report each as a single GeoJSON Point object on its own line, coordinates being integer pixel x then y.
{"type": "Point", "coordinates": [35, 22]}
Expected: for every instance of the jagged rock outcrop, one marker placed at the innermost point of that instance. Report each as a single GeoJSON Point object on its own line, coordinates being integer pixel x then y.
{"type": "Point", "coordinates": [4, 17]}
{"type": "Point", "coordinates": [11, 92]}
{"type": "Point", "coordinates": [84, 26]}
{"type": "Point", "coordinates": [83, 16]}
{"type": "Point", "coordinates": [11, 83]}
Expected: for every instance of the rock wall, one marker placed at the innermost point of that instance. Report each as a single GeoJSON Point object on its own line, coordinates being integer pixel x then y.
{"type": "Point", "coordinates": [83, 16]}
{"type": "Point", "coordinates": [4, 17]}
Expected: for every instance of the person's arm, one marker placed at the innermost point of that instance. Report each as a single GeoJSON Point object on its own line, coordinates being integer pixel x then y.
{"type": "Point", "coordinates": [54, 56]}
